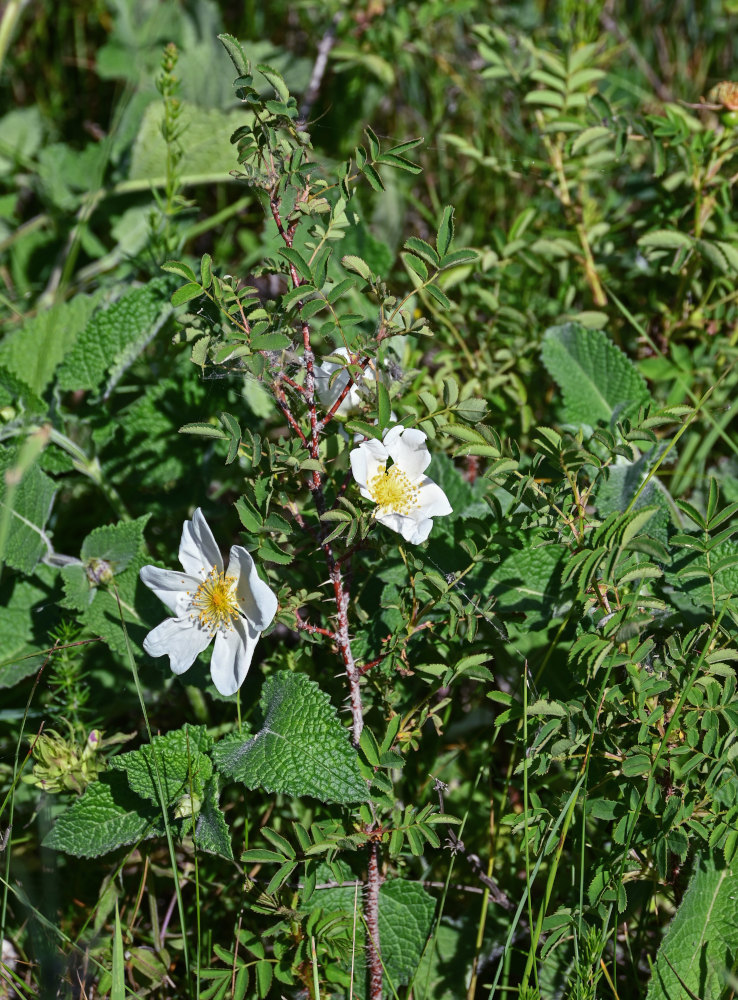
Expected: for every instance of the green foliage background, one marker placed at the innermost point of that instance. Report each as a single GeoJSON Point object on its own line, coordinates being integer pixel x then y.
{"type": "Point", "coordinates": [550, 706]}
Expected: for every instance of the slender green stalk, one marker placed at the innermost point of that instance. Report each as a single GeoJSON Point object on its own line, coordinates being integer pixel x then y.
{"type": "Point", "coordinates": [10, 18]}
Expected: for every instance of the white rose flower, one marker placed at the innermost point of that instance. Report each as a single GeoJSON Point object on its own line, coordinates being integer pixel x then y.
{"type": "Point", "coordinates": [328, 392]}
{"type": "Point", "coordinates": [233, 607]}
{"type": "Point", "coordinates": [406, 499]}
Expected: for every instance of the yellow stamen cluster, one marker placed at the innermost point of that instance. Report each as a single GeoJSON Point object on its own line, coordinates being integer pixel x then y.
{"type": "Point", "coordinates": [392, 490]}
{"type": "Point", "coordinates": [214, 604]}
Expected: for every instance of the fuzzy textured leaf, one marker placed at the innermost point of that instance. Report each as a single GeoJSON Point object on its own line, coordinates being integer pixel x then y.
{"type": "Point", "coordinates": [26, 616]}
{"type": "Point", "coordinates": [700, 945]}
{"type": "Point", "coordinates": [141, 609]}
{"type": "Point", "coordinates": [34, 351]}
{"type": "Point", "coordinates": [211, 830]}
{"type": "Point", "coordinates": [530, 580]}
{"type": "Point", "coordinates": [597, 380]}
{"type": "Point", "coordinates": [107, 816]}
{"type": "Point", "coordinates": [116, 334]}
{"type": "Point", "coordinates": [405, 917]}
{"type": "Point", "coordinates": [115, 543]}
{"type": "Point", "coordinates": [301, 749]}
{"type": "Point", "coordinates": [27, 513]}
{"type": "Point", "coordinates": [182, 759]}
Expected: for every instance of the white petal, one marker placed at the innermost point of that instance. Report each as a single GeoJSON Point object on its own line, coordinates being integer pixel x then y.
{"type": "Point", "coordinates": [256, 599]}
{"type": "Point", "coordinates": [393, 521]}
{"type": "Point", "coordinates": [432, 501]}
{"type": "Point", "coordinates": [416, 532]}
{"type": "Point", "coordinates": [171, 586]}
{"type": "Point", "coordinates": [198, 552]}
{"type": "Point", "coordinates": [182, 640]}
{"type": "Point", "coordinates": [413, 529]}
{"type": "Point", "coordinates": [232, 656]}
{"type": "Point", "coordinates": [328, 391]}
{"type": "Point", "coordinates": [366, 461]}
{"type": "Point", "coordinates": [407, 448]}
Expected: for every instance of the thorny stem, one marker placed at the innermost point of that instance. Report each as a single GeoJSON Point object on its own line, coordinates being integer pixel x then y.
{"type": "Point", "coordinates": [342, 395]}
{"type": "Point", "coordinates": [304, 626]}
{"type": "Point", "coordinates": [284, 407]}
{"type": "Point", "coordinates": [342, 637]}
{"type": "Point", "coordinates": [371, 914]}
{"type": "Point", "coordinates": [382, 656]}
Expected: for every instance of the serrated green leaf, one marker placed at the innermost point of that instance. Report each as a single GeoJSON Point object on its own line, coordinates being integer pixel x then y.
{"type": "Point", "coordinates": [445, 234]}
{"type": "Point", "coordinates": [530, 580]}
{"type": "Point", "coordinates": [374, 147]}
{"type": "Point", "coordinates": [181, 269]}
{"type": "Point", "coordinates": [211, 829]}
{"type": "Point", "coordinates": [206, 270]}
{"type": "Point", "coordinates": [186, 293]}
{"type": "Point", "coordinates": [235, 51]}
{"type": "Point", "coordinates": [301, 749]}
{"type": "Point", "coordinates": [441, 298]}
{"type": "Point", "coordinates": [270, 342]}
{"type": "Point", "coordinates": [230, 425]}
{"type": "Point", "coordinates": [276, 80]}
{"type": "Point", "coordinates": [258, 855]}
{"type": "Point", "coordinates": [416, 265]}
{"type": "Point", "coordinates": [405, 918]}
{"type": "Point", "coordinates": [264, 973]}
{"type": "Point", "coordinates": [465, 255]}
{"type": "Point", "coordinates": [180, 757]}
{"type": "Point", "coordinates": [666, 239]}
{"type": "Point", "coordinates": [78, 592]}
{"type": "Point", "coordinates": [589, 136]}
{"type": "Point", "coordinates": [372, 175]}
{"type": "Point", "coordinates": [706, 582]}
{"type": "Point", "coordinates": [597, 380]}
{"type": "Point", "coordinates": [298, 262]}
{"type": "Point", "coordinates": [696, 955]}
{"type": "Point", "coordinates": [280, 877]}
{"type": "Point", "coordinates": [368, 744]}
{"type": "Point", "coordinates": [117, 544]}
{"type": "Point", "coordinates": [34, 351]}
{"type": "Point", "coordinates": [384, 408]}
{"type": "Point", "coordinates": [108, 816]}
{"type": "Point", "coordinates": [422, 249]}
{"type": "Point", "coordinates": [24, 511]}
{"type": "Point", "coordinates": [141, 609]}
{"type": "Point", "coordinates": [362, 427]}
{"type": "Point", "coordinates": [281, 843]}
{"type": "Point", "coordinates": [19, 396]}
{"type": "Point", "coordinates": [25, 621]}
{"type": "Point", "coordinates": [116, 335]}
{"type": "Point", "coordinates": [204, 430]}
{"type": "Point", "coordinates": [357, 265]}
